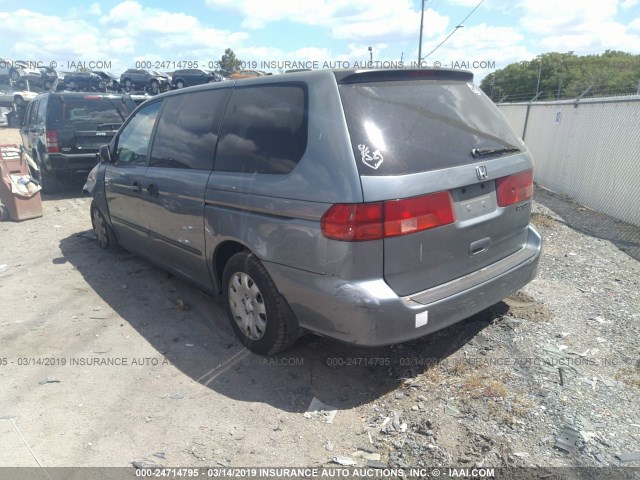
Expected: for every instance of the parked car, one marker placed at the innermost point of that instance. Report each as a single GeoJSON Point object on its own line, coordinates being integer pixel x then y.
{"type": "Point", "coordinates": [22, 71]}
{"type": "Point", "coordinates": [63, 131]}
{"type": "Point", "coordinates": [144, 80]}
{"type": "Point", "coordinates": [110, 80]}
{"type": "Point", "coordinates": [17, 97]}
{"type": "Point", "coordinates": [193, 76]}
{"type": "Point", "coordinates": [49, 76]}
{"type": "Point", "coordinates": [370, 206]}
{"type": "Point", "coordinates": [246, 74]}
{"type": "Point", "coordinates": [84, 82]}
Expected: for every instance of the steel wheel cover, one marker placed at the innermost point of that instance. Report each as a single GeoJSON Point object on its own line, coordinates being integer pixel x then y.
{"type": "Point", "coordinates": [247, 306]}
{"type": "Point", "coordinates": [99, 228]}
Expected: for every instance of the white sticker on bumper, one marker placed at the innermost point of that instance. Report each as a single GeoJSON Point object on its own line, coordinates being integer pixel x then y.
{"type": "Point", "coordinates": [422, 319]}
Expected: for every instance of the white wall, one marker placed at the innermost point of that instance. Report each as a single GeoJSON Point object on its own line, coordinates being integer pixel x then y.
{"type": "Point", "coordinates": [590, 152]}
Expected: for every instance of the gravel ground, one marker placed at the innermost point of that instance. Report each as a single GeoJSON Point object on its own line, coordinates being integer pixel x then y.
{"type": "Point", "coordinates": [497, 389]}
{"type": "Point", "coordinates": [564, 352]}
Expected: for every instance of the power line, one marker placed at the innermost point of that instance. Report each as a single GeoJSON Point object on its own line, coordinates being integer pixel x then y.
{"type": "Point", "coordinates": [460, 25]}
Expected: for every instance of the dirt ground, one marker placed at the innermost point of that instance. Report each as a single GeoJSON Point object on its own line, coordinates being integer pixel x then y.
{"type": "Point", "coordinates": [106, 359]}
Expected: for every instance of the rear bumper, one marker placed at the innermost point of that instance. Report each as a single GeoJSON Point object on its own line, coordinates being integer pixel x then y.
{"type": "Point", "coordinates": [369, 313]}
{"type": "Point", "coordinates": [58, 162]}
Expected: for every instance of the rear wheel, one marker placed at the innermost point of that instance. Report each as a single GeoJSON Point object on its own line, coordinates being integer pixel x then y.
{"type": "Point", "coordinates": [128, 84]}
{"type": "Point", "coordinates": [48, 180]}
{"type": "Point", "coordinates": [154, 86]}
{"type": "Point", "coordinates": [258, 313]}
{"type": "Point", "coordinates": [103, 231]}
{"type": "Point", "coordinates": [14, 75]}
{"type": "Point", "coordinates": [73, 86]}
{"type": "Point", "coordinates": [180, 84]}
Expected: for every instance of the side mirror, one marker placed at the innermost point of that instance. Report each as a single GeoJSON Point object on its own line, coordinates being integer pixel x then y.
{"type": "Point", "coordinates": [104, 154]}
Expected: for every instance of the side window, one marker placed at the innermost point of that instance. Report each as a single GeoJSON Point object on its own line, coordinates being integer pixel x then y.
{"type": "Point", "coordinates": [188, 130]}
{"type": "Point", "coordinates": [133, 142]}
{"type": "Point", "coordinates": [264, 129]}
{"type": "Point", "coordinates": [31, 115]}
{"type": "Point", "coordinates": [42, 107]}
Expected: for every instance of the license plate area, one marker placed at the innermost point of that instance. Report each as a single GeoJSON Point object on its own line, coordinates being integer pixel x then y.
{"type": "Point", "coordinates": [473, 201]}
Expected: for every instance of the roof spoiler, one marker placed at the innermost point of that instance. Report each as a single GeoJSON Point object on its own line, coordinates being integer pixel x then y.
{"type": "Point", "coordinates": [366, 76]}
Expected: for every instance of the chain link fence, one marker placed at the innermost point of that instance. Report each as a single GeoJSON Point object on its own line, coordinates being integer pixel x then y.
{"type": "Point", "coordinates": [588, 149]}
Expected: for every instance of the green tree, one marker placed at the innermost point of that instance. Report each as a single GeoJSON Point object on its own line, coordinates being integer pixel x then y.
{"type": "Point", "coordinates": [557, 75]}
{"type": "Point", "coordinates": [229, 63]}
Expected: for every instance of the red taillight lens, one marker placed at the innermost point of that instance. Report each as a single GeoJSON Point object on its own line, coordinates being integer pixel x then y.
{"type": "Point", "coordinates": [52, 141]}
{"type": "Point", "coordinates": [514, 188]}
{"type": "Point", "coordinates": [418, 213]}
{"type": "Point", "coordinates": [353, 222]}
{"type": "Point", "coordinates": [374, 221]}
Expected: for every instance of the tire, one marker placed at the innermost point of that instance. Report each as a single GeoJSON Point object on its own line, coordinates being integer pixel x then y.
{"type": "Point", "coordinates": [103, 231]}
{"type": "Point", "coordinates": [128, 84]}
{"type": "Point", "coordinates": [47, 85]}
{"type": "Point", "coordinates": [48, 181]}
{"type": "Point", "coordinates": [154, 87]}
{"type": "Point", "coordinates": [180, 84]}
{"type": "Point", "coordinates": [73, 86]}
{"type": "Point", "coordinates": [258, 313]}
{"type": "Point", "coordinates": [18, 100]}
{"type": "Point", "coordinates": [14, 75]}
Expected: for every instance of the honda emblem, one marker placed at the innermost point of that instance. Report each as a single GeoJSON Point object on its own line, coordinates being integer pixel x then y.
{"type": "Point", "coordinates": [481, 172]}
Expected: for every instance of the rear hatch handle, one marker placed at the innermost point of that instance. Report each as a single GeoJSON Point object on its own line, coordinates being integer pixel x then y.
{"type": "Point", "coordinates": [479, 246]}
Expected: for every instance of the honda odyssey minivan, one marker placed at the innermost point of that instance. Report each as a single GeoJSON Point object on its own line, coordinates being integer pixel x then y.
{"type": "Point", "coordinates": [373, 207]}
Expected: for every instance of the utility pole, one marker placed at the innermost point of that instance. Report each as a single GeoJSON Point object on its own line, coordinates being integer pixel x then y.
{"type": "Point", "coordinates": [371, 55]}
{"type": "Point", "coordinates": [538, 86]}
{"type": "Point", "coordinates": [420, 41]}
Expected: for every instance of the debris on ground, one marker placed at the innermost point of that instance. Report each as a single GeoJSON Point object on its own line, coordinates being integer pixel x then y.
{"type": "Point", "coordinates": [317, 409]}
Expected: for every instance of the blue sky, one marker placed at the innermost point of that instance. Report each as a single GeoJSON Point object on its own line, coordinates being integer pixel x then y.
{"type": "Point", "coordinates": [498, 33]}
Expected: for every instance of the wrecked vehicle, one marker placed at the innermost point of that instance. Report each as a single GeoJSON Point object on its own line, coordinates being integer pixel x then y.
{"type": "Point", "coordinates": [373, 207]}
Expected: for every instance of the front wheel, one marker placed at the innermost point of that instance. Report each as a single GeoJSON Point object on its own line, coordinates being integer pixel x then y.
{"type": "Point", "coordinates": [103, 231]}
{"type": "Point", "coordinates": [154, 86]}
{"type": "Point", "coordinates": [258, 313]}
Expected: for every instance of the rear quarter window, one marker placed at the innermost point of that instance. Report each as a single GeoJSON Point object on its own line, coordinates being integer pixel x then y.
{"type": "Point", "coordinates": [403, 127]}
{"type": "Point", "coordinates": [264, 129]}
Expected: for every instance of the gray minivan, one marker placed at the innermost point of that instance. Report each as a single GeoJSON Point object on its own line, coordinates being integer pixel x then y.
{"type": "Point", "coordinates": [369, 206]}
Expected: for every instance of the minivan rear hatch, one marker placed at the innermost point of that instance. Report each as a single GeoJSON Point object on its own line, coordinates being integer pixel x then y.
{"type": "Point", "coordinates": [83, 123]}
{"type": "Point", "coordinates": [432, 147]}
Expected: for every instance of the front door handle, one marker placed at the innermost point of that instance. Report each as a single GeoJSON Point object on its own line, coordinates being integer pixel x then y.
{"type": "Point", "coordinates": [152, 189]}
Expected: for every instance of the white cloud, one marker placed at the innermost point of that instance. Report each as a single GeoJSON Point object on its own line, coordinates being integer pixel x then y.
{"type": "Point", "coordinates": [572, 25]}
{"type": "Point", "coordinates": [480, 48]}
{"type": "Point", "coordinates": [371, 20]}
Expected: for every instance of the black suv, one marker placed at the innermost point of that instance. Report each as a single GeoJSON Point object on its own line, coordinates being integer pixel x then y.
{"type": "Point", "coordinates": [84, 82]}
{"type": "Point", "coordinates": [63, 131]}
{"type": "Point", "coordinates": [193, 76]}
{"type": "Point", "coordinates": [144, 80]}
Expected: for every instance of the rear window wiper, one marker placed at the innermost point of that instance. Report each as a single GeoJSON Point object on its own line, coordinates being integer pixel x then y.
{"type": "Point", "coordinates": [482, 152]}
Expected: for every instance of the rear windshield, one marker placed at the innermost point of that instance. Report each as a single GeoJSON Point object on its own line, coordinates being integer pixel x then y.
{"type": "Point", "coordinates": [405, 127]}
{"type": "Point", "coordinates": [88, 112]}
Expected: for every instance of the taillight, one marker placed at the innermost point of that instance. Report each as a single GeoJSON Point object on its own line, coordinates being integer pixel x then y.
{"type": "Point", "coordinates": [52, 141]}
{"type": "Point", "coordinates": [418, 213]}
{"type": "Point", "coordinates": [514, 188]}
{"type": "Point", "coordinates": [353, 222]}
{"type": "Point", "coordinates": [374, 221]}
